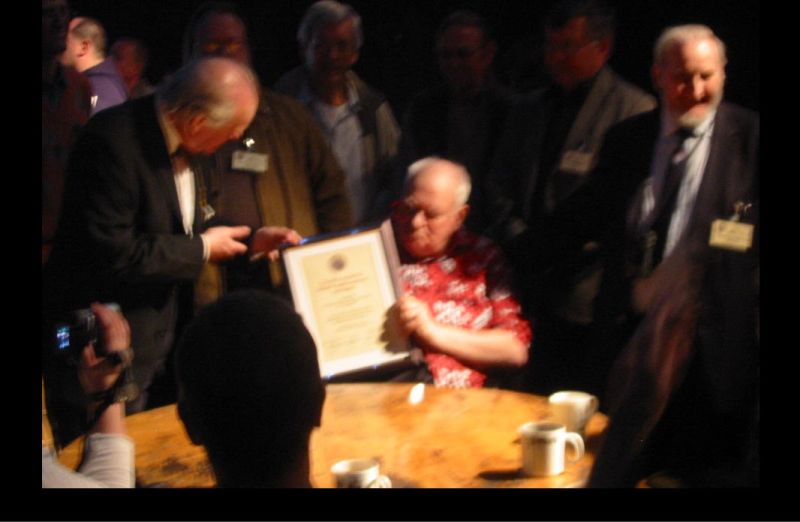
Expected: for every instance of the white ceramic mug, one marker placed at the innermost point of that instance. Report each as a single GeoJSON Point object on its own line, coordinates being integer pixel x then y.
{"type": "Point", "coordinates": [544, 445]}
{"type": "Point", "coordinates": [573, 409]}
{"type": "Point", "coordinates": [359, 473]}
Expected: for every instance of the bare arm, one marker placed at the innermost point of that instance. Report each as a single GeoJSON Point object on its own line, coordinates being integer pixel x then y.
{"type": "Point", "coordinates": [478, 349]}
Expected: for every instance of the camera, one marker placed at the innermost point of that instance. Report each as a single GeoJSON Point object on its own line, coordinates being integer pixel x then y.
{"type": "Point", "coordinates": [71, 337]}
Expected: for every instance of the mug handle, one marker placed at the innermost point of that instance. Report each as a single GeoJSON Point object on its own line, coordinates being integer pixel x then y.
{"type": "Point", "coordinates": [381, 482]}
{"type": "Point", "coordinates": [576, 441]}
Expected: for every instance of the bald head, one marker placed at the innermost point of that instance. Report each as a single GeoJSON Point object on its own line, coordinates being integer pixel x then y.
{"type": "Point", "coordinates": [86, 43]}
{"type": "Point", "coordinates": [210, 101]}
{"type": "Point", "coordinates": [434, 206]}
{"type": "Point", "coordinates": [452, 177]}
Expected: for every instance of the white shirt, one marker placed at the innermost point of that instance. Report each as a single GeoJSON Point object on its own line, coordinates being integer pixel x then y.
{"type": "Point", "coordinates": [695, 151]}
{"type": "Point", "coordinates": [108, 463]}
{"type": "Point", "coordinates": [342, 129]}
{"type": "Point", "coordinates": [184, 177]}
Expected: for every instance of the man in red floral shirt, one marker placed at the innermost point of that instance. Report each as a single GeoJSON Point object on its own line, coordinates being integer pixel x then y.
{"type": "Point", "coordinates": [457, 304]}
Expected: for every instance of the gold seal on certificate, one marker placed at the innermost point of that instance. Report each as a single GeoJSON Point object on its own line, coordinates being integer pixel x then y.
{"type": "Point", "coordinates": [343, 287]}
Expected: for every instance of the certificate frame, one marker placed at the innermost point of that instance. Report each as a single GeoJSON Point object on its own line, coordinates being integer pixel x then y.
{"type": "Point", "coordinates": [343, 286]}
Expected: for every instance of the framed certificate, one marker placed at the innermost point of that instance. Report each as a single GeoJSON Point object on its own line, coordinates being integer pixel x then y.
{"type": "Point", "coordinates": [343, 286]}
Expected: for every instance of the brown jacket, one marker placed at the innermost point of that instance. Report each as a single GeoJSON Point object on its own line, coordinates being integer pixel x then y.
{"type": "Point", "coordinates": [302, 188]}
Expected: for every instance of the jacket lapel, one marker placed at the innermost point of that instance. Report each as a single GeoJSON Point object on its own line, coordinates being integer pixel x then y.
{"type": "Point", "coordinates": [154, 150]}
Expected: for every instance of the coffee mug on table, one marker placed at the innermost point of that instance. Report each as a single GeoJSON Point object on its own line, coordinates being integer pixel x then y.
{"type": "Point", "coordinates": [573, 409]}
{"type": "Point", "coordinates": [544, 445]}
{"type": "Point", "coordinates": [359, 473]}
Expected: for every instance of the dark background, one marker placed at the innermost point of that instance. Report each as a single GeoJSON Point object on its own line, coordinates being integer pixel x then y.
{"type": "Point", "coordinates": [397, 56]}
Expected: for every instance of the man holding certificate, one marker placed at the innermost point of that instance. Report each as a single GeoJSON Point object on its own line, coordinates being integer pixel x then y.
{"type": "Point", "coordinates": [457, 304]}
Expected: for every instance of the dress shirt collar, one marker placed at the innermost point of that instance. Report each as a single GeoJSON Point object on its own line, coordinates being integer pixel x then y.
{"type": "Point", "coordinates": [669, 125]}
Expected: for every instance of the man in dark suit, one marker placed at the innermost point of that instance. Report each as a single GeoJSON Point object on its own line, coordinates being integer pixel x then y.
{"type": "Point", "coordinates": [551, 144]}
{"type": "Point", "coordinates": [678, 220]}
{"type": "Point", "coordinates": [462, 118]}
{"type": "Point", "coordinates": [135, 227]}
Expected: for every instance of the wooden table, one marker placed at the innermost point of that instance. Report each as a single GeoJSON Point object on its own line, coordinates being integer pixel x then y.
{"type": "Point", "coordinates": [452, 439]}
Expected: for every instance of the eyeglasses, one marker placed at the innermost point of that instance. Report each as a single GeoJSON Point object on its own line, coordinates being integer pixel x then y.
{"type": "Point", "coordinates": [229, 46]}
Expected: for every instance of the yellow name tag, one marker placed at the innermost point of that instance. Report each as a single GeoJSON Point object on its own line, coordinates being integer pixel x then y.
{"type": "Point", "coordinates": [576, 162]}
{"type": "Point", "coordinates": [250, 161]}
{"type": "Point", "coordinates": [731, 235]}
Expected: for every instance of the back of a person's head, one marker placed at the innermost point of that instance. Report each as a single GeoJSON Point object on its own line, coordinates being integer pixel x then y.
{"type": "Point", "coordinates": [92, 30]}
{"type": "Point", "coordinates": [249, 387]}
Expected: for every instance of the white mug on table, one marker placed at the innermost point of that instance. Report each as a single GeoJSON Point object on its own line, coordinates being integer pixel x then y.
{"type": "Point", "coordinates": [359, 473]}
{"type": "Point", "coordinates": [544, 447]}
{"type": "Point", "coordinates": [573, 409]}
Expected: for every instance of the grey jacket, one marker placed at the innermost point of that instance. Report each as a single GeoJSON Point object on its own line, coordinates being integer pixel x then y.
{"type": "Point", "coordinates": [380, 132]}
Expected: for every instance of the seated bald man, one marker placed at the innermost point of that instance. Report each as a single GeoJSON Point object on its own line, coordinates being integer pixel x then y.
{"type": "Point", "coordinates": [457, 305]}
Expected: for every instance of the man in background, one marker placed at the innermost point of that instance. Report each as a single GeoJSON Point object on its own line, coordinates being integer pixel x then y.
{"type": "Point", "coordinates": [461, 119]}
{"type": "Point", "coordinates": [130, 56]}
{"type": "Point", "coordinates": [283, 174]}
{"type": "Point", "coordinates": [66, 104]}
{"type": "Point", "coordinates": [355, 119]}
{"type": "Point", "coordinates": [550, 146]}
{"type": "Point", "coordinates": [86, 51]}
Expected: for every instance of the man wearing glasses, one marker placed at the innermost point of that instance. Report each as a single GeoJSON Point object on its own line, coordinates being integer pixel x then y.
{"type": "Point", "coordinates": [550, 145]}
{"type": "Point", "coordinates": [356, 120]}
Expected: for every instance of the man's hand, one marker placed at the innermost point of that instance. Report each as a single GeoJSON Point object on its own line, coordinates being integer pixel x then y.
{"type": "Point", "coordinates": [266, 241]}
{"type": "Point", "coordinates": [98, 374]}
{"type": "Point", "coordinates": [225, 242]}
{"type": "Point", "coordinates": [415, 319]}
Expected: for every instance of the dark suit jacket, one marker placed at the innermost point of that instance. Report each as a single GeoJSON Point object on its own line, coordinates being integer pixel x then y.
{"type": "Point", "coordinates": [710, 412]}
{"type": "Point", "coordinates": [519, 184]}
{"type": "Point", "coordinates": [121, 237]}
{"type": "Point", "coordinates": [425, 133]}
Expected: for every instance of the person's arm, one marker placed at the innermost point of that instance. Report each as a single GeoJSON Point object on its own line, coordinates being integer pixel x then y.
{"type": "Point", "coordinates": [112, 205]}
{"type": "Point", "coordinates": [266, 241]}
{"type": "Point", "coordinates": [475, 348]}
{"type": "Point", "coordinates": [109, 453]}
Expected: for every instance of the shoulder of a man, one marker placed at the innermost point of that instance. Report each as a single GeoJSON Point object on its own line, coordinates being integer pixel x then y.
{"type": "Point", "coordinates": [292, 82]}
{"type": "Point", "coordinates": [370, 98]}
{"type": "Point", "coordinates": [738, 116]}
{"type": "Point", "coordinates": [633, 99]}
{"type": "Point", "coordinates": [111, 122]}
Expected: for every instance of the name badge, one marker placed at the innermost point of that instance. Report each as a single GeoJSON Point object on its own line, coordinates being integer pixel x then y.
{"type": "Point", "coordinates": [250, 161]}
{"type": "Point", "coordinates": [208, 212]}
{"type": "Point", "coordinates": [731, 235]}
{"type": "Point", "coordinates": [576, 162]}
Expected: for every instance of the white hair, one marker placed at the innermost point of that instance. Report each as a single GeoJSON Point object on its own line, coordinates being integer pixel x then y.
{"type": "Point", "coordinates": [681, 34]}
{"type": "Point", "coordinates": [326, 12]}
{"type": "Point", "coordinates": [463, 183]}
{"type": "Point", "coordinates": [202, 86]}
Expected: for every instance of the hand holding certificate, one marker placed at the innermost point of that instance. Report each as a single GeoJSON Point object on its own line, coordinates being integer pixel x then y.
{"type": "Point", "coordinates": [343, 287]}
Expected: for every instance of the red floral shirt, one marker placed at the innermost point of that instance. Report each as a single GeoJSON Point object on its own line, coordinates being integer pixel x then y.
{"type": "Point", "coordinates": [468, 287]}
